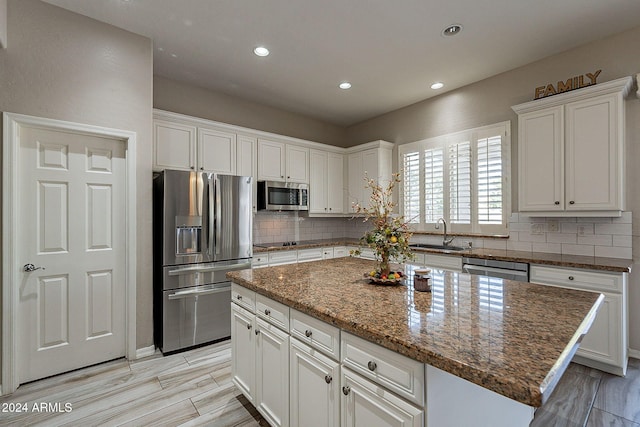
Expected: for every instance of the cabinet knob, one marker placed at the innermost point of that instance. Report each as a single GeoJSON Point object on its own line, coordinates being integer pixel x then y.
{"type": "Point", "coordinates": [201, 168]}
{"type": "Point", "coordinates": [330, 208]}
{"type": "Point", "coordinates": [281, 176]}
{"type": "Point", "coordinates": [308, 333]}
{"type": "Point", "coordinates": [372, 365]}
{"type": "Point", "coordinates": [257, 331]}
{"type": "Point", "coordinates": [192, 167]}
{"type": "Point", "coordinates": [238, 297]}
{"type": "Point", "coordinates": [249, 326]}
{"type": "Point", "coordinates": [570, 277]}
{"type": "Point", "coordinates": [288, 177]}
{"type": "Point", "coordinates": [328, 379]}
{"type": "Point", "coordinates": [267, 311]}
{"type": "Point", "coordinates": [571, 202]}
{"type": "Point", "coordinates": [346, 390]}
{"type": "Point", "coordinates": [556, 202]}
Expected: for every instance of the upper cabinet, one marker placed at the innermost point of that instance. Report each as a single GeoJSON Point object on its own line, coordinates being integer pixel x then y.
{"type": "Point", "coordinates": [278, 161]}
{"type": "Point", "coordinates": [174, 145]}
{"type": "Point", "coordinates": [372, 160]}
{"type": "Point", "coordinates": [326, 178]}
{"type": "Point", "coordinates": [571, 152]}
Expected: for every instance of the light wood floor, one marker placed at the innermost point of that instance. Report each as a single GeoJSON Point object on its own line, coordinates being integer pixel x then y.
{"type": "Point", "coordinates": [194, 388]}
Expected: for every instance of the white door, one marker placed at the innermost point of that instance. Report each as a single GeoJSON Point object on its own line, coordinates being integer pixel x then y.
{"type": "Point", "coordinates": [297, 164]}
{"type": "Point", "coordinates": [174, 146]}
{"type": "Point", "coordinates": [216, 151]}
{"type": "Point", "coordinates": [318, 181]}
{"type": "Point", "coordinates": [71, 308]}
{"type": "Point", "coordinates": [271, 160]}
{"type": "Point", "coordinates": [335, 182]}
{"type": "Point", "coordinates": [243, 351]}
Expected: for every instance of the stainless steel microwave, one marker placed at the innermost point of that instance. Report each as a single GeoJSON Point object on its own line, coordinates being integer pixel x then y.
{"type": "Point", "coordinates": [283, 196]}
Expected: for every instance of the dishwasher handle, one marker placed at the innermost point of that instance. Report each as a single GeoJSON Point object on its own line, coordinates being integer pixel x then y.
{"type": "Point", "coordinates": [200, 291]}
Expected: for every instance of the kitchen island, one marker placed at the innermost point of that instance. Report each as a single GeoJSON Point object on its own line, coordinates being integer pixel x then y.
{"type": "Point", "coordinates": [509, 341]}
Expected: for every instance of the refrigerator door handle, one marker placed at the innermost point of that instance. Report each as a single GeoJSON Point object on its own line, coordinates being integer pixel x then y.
{"type": "Point", "coordinates": [191, 270]}
{"type": "Point", "coordinates": [200, 291]}
{"type": "Point", "coordinates": [218, 217]}
{"type": "Point", "coordinates": [211, 217]}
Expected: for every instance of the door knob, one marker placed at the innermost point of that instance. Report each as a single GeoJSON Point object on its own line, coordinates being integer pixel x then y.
{"type": "Point", "coordinates": [30, 267]}
{"type": "Point", "coordinates": [346, 390]}
{"type": "Point", "coordinates": [328, 379]}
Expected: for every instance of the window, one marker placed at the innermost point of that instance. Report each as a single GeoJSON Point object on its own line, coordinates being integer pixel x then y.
{"type": "Point", "coordinates": [462, 177]}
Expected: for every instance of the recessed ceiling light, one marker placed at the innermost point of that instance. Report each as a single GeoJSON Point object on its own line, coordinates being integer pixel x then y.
{"type": "Point", "coordinates": [345, 85]}
{"type": "Point", "coordinates": [261, 51]}
{"type": "Point", "coordinates": [437, 85]}
{"type": "Point", "coordinates": [452, 30]}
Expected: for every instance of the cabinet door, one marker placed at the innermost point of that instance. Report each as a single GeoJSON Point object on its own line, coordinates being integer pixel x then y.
{"type": "Point", "coordinates": [247, 161]}
{"type": "Point", "coordinates": [540, 160]}
{"type": "Point", "coordinates": [243, 352]}
{"type": "Point", "coordinates": [174, 146]}
{"type": "Point", "coordinates": [314, 388]}
{"type": "Point", "coordinates": [603, 341]}
{"type": "Point", "coordinates": [356, 180]}
{"type": "Point", "coordinates": [594, 158]}
{"type": "Point", "coordinates": [365, 404]}
{"type": "Point", "coordinates": [335, 183]}
{"type": "Point", "coordinates": [216, 151]}
{"type": "Point", "coordinates": [318, 181]}
{"type": "Point", "coordinates": [272, 374]}
{"type": "Point", "coordinates": [370, 166]}
{"type": "Point", "coordinates": [297, 164]}
{"type": "Point", "coordinates": [271, 160]}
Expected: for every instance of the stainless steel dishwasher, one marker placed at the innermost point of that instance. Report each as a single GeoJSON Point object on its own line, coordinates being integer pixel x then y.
{"type": "Point", "coordinates": [510, 270]}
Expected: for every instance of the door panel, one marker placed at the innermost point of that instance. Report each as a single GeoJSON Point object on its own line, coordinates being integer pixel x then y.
{"type": "Point", "coordinates": [71, 311]}
{"type": "Point", "coordinates": [233, 217]}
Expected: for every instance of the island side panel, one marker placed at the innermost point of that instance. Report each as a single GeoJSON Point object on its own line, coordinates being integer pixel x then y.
{"type": "Point", "coordinates": [453, 402]}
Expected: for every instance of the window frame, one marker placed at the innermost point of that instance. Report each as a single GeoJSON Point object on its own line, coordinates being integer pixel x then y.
{"type": "Point", "coordinates": [502, 129]}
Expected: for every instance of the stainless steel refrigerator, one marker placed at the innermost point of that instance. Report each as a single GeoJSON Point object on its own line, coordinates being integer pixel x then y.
{"type": "Point", "coordinates": [202, 229]}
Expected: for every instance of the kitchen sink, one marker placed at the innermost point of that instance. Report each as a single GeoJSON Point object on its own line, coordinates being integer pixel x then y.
{"type": "Point", "coordinates": [440, 247]}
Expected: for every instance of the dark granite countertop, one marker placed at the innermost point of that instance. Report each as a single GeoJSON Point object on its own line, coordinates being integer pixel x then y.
{"type": "Point", "coordinates": [572, 261]}
{"type": "Point", "coordinates": [513, 338]}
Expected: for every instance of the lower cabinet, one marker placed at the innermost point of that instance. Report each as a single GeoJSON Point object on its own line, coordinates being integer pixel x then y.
{"type": "Point", "coordinates": [366, 404]}
{"type": "Point", "coordinates": [243, 362]}
{"type": "Point", "coordinates": [314, 387]}
{"type": "Point", "coordinates": [272, 373]}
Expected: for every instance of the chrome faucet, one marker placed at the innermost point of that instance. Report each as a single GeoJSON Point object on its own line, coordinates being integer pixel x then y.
{"type": "Point", "coordinates": [445, 241]}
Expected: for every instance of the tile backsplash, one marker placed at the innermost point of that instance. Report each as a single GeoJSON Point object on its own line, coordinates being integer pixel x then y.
{"type": "Point", "coordinates": [603, 237]}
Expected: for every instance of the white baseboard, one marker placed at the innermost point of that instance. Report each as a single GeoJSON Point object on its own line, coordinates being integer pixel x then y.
{"type": "Point", "coordinates": [145, 352]}
{"type": "Point", "coordinates": [634, 353]}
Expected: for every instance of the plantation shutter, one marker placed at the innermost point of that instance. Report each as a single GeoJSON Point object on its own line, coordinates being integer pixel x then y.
{"type": "Point", "coordinates": [460, 182]}
{"type": "Point", "coordinates": [411, 185]}
{"type": "Point", "coordinates": [433, 184]}
{"type": "Point", "coordinates": [489, 165]}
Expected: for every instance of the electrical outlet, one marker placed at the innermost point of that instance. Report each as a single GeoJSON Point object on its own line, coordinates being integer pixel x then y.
{"type": "Point", "coordinates": [581, 230]}
{"type": "Point", "coordinates": [553, 226]}
{"type": "Point", "coordinates": [537, 228]}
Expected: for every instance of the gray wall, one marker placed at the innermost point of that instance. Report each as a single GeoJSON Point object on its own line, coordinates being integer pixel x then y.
{"type": "Point", "coordinates": [194, 101]}
{"type": "Point", "coordinates": [489, 101]}
{"type": "Point", "coordinates": [3, 23]}
{"type": "Point", "coordinates": [65, 66]}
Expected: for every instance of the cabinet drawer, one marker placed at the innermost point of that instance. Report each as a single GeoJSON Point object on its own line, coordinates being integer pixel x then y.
{"type": "Point", "coordinates": [312, 254]}
{"type": "Point", "coordinates": [283, 257]}
{"type": "Point", "coordinates": [260, 260]}
{"type": "Point", "coordinates": [243, 297]}
{"type": "Point", "coordinates": [316, 333]}
{"type": "Point", "coordinates": [394, 371]}
{"type": "Point", "coordinates": [327, 253]}
{"type": "Point", "coordinates": [273, 312]}
{"type": "Point", "coordinates": [578, 279]}
{"type": "Point", "coordinates": [340, 252]}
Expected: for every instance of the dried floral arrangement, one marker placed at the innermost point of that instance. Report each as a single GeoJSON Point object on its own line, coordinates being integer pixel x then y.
{"type": "Point", "coordinates": [389, 236]}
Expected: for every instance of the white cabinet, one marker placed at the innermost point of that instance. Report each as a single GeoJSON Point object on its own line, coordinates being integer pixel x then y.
{"type": "Point", "coordinates": [216, 151]}
{"type": "Point", "coordinates": [314, 387]}
{"type": "Point", "coordinates": [260, 353]}
{"type": "Point", "coordinates": [174, 145]}
{"type": "Point", "coordinates": [340, 251]}
{"type": "Point", "coordinates": [272, 373]}
{"type": "Point", "coordinates": [365, 404]}
{"type": "Point", "coordinates": [283, 257]}
{"type": "Point", "coordinates": [605, 345]}
{"type": "Point", "coordinates": [260, 260]}
{"type": "Point", "coordinates": [326, 179]}
{"type": "Point", "coordinates": [374, 163]}
{"type": "Point", "coordinates": [243, 362]}
{"type": "Point", "coordinates": [278, 161]}
{"type": "Point", "coordinates": [311, 254]}
{"type": "Point", "coordinates": [247, 161]}
{"type": "Point", "coordinates": [571, 152]}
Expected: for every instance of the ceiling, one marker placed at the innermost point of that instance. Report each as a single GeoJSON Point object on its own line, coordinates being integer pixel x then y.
{"type": "Point", "coordinates": [391, 51]}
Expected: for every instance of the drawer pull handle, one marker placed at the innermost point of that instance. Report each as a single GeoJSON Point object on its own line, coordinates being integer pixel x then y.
{"type": "Point", "coordinates": [257, 331]}
{"type": "Point", "coordinates": [308, 333]}
{"type": "Point", "coordinates": [267, 311]}
{"type": "Point", "coordinates": [372, 365]}
{"type": "Point", "coordinates": [328, 379]}
{"type": "Point", "coordinates": [570, 277]}
{"type": "Point", "coordinates": [557, 202]}
{"type": "Point", "coordinates": [346, 390]}
{"type": "Point", "coordinates": [238, 297]}
{"type": "Point", "coordinates": [571, 202]}
{"type": "Point", "coordinates": [249, 326]}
